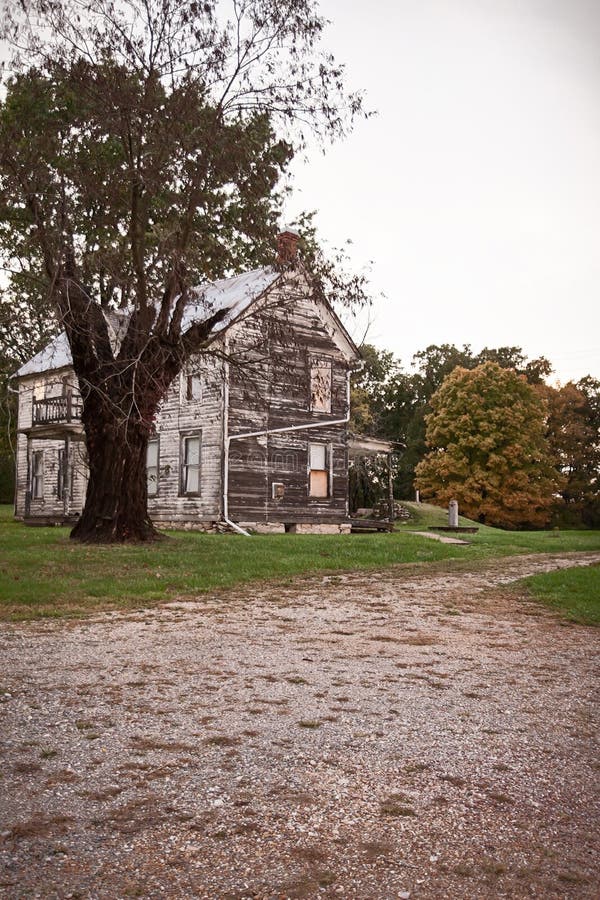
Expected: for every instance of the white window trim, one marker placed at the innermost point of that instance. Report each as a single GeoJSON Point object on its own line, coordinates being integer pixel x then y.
{"type": "Point", "coordinates": [188, 381]}
{"type": "Point", "coordinates": [183, 466]}
{"type": "Point", "coordinates": [155, 439]}
{"type": "Point", "coordinates": [37, 478]}
{"type": "Point", "coordinates": [328, 469]}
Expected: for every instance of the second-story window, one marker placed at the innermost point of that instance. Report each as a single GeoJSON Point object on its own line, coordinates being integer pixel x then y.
{"type": "Point", "coordinates": [320, 385]}
{"type": "Point", "coordinates": [192, 387]}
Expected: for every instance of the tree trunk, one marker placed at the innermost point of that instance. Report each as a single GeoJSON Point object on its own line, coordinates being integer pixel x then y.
{"type": "Point", "coordinates": [115, 508]}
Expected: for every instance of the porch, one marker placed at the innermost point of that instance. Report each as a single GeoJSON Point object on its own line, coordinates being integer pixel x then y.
{"type": "Point", "coordinates": [360, 446]}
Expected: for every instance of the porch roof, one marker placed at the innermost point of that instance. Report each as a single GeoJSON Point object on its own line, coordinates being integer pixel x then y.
{"type": "Point", "coordinates": [363, 445]}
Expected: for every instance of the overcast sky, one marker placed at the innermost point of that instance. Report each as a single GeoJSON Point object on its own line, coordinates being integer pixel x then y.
{"type": "Point", "coordinates": [475, 192]}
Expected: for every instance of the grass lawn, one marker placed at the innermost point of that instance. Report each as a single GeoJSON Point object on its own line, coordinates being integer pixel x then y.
{"type": "Point", "coordinates": [43, 574]}
{"type": "Point", "coordinates": [426, 515]}
{"type": "Point", "coordinates": [574, 592]}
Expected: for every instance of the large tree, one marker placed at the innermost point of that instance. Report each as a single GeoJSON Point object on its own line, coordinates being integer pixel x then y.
{"type": "Point", "coordinates": [394, 404]}
{"type": "Point", "coordinates": [488, 450]}
{"type": "Point", "coordinates": [141, 147]}
{"type": "Point", "coordinates": [573, 431]}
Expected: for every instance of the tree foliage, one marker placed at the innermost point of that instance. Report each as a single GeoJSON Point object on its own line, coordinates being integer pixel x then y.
{"type": "Point", "coordinates": [486, 434]}
{"type": "Point", "coordinates": [573, 431]}
{"type": "Point", "coordinates": [393, 403]}
{"type": "Point", "coordinates": [142, 143]}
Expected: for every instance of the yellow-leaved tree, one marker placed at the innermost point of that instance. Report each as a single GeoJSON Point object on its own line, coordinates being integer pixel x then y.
{"type": "Point", "coordinates": [488, 450]}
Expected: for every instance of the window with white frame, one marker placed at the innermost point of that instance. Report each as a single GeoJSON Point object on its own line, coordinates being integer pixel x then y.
{"type": "Point", "coordinates": [152, 457]}
{"type": "Point", "coordinates": [191, 387]}
{"type": "Point", "coordinates": [65, 475]}
{"type": "Point", "coordinates": [37, 474]}
{"type": "Point", "coordinates": [318, 470]}
{"type": "Point", "coordinates": [320, 385]}
{"type": "Point", "coordinates": [190, 464]}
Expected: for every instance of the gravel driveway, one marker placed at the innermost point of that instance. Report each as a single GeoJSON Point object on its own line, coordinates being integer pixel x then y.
{"type": "Point", "coordinates": [421, 732]}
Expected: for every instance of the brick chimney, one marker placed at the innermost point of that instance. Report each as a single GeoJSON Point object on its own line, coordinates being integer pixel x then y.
{"type": "Point", "coordinates": [287, 247]}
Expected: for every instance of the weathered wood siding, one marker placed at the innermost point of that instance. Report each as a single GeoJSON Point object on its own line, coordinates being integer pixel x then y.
{"type": "Point", "coordinates": [272, 351]}
{"type": "Point", "coordinates": [277, 394]}
{"type": "Point", "coordinates": [24, 417]}
{"type": "Point", "coordinates": [49, 505]}
{"type": "Point", "coordinates": [177, 419]}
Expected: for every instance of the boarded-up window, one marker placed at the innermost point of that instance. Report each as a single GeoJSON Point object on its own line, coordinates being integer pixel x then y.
{"type": "Point", "coordinates": [190, 469]}
{"type": "Point", "coordinates": [320, 385]}
{"type": "Point", "coordinates": [318, 474]}
{"type": "Point", "coordinates": [65, 475]}
{"type": "Point", "coordinates": [37, 474]}
{"type": "Point", "coordinates": [152, 454]}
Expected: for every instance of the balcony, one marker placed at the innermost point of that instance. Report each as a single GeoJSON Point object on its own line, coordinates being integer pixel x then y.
{"type": "Point", "coordinates": [57, 418]}
{"type": "Point", "coordinates": [64, 410]}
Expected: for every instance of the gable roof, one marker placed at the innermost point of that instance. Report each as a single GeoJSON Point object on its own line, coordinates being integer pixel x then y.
{"type": "Point", "coordinates": [232, 294]}
{"type": "Point", "coordinates": [55, 355]}
{"type": "Point", "coordinates": [235, 295]}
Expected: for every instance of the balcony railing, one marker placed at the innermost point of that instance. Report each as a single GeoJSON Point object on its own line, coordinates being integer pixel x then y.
{"type": "Point", "coordinates": [57, 410]}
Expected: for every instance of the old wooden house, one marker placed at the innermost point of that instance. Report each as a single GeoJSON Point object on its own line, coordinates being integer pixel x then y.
{"type": "Point", "coordinates": [253, 434]}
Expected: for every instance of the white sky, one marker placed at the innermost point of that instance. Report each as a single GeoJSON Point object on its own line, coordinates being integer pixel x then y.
{"type": "Point", "coordinates": [476, 190]}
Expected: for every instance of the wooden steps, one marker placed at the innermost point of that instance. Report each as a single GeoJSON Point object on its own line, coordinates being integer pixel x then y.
{"type": "Point", "coordinates": [365, 526]}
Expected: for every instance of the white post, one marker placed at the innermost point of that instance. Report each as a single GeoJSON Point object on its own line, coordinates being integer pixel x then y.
{"type": "Point", "coordinates": [66, 477]}
{"type": "Point", "coordinates": [453, 514]}
{"type": "Point", "coordinates": [29, 484]}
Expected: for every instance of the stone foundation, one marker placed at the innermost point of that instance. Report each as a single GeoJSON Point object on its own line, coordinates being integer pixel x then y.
{"type": "Point", "coordinates": [317, 528]}
{"type": "Point", "coordinates": [204, 527]}
{"type": "Point", "coordinates": [296, 527]}
{"type": "Point", "coordinates": [263, 527]}
{"type": "Point", "coordinates": [259, 527]}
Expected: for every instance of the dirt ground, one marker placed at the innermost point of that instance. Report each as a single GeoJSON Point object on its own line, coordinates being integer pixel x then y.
{"type": "Point", "coordinates": [422, 733]}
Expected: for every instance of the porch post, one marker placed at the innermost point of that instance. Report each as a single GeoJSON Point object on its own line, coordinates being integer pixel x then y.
{"type": "Point", "coordinates": [66, 477]}
{"type": "Point", "coordinates": [28, 479]}
{"type": "Point", "coordinates": [390, 487]}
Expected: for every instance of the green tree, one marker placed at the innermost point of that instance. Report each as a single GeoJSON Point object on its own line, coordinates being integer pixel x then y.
{"type": "Point", "coordinates": [393, 403]}
{"type": "Point", "coordinates": [370, 389]}
{"type": "Point", "coordinates": [8, 431]}
{"type": "Point", "coordinates": [141, 149]}
{"type": "Point", "coordinates": [488, 451]}
{"type": "Point", "coordinates": [434, 364]}
{"type": "Point", "coordinates": [26, 325]}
